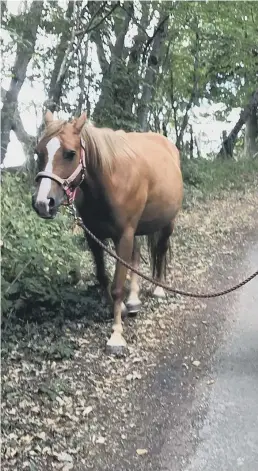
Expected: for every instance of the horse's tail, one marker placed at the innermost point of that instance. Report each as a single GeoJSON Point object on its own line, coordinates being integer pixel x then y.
{"type": "Point", "coordinates": [156, 249]}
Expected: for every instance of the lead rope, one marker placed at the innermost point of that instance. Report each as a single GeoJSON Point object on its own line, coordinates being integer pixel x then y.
{"type": "Point", "coordinates": [112, 254]}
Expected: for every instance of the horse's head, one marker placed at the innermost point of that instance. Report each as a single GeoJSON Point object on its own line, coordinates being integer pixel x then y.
{"type": "Point", "coordinates": [61, 161]}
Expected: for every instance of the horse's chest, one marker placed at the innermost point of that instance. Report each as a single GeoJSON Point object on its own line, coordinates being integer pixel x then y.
{"type": "Point", "coordinates": [99, 217]}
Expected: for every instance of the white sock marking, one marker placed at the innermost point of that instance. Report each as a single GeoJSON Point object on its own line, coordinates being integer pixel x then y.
{"type": "Point", "coordinates": [45, 185]}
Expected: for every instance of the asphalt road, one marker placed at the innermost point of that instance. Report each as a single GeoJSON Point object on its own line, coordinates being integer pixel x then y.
{"type": "Point", "coordinates": [228, 437]}
{"type": "Point", "coordinates": [219, 432]}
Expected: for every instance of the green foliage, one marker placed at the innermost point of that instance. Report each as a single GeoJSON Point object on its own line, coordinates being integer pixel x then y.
{"type": "Point", "coordinates": [38, 256]}
{"type": "Point", "coordinates": [119, 86]}
{"type": "Point", "coordinates": [211, 54]}
{"type": "Point", "coordinates": [213, 177]}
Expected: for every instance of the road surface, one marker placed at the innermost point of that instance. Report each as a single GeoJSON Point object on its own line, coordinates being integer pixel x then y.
{"type": "Point", "coordinates": [227, 435]}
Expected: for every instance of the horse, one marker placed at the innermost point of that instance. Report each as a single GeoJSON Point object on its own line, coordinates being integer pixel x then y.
{"type": "Point", "coordinates": [124, 185]}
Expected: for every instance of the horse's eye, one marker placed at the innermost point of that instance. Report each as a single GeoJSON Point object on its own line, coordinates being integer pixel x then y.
{"type": "Point", "coordinates": [69, 154]}
{"type": "Point", "coordinates": [39, 155]}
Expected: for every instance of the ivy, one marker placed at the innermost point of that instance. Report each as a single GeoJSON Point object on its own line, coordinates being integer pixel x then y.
{"type": "Point", "coordinates": [37, 256]}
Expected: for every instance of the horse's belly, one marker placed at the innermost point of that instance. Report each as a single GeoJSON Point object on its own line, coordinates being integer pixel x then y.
{"type": "Point", "coordinates": [155, 222]}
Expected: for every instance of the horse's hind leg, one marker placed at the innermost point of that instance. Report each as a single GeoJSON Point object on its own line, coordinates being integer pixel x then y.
{"type": "Point", "coordinates": [160, 258]}
{"type": "Point", "coordinates": [133, 303]}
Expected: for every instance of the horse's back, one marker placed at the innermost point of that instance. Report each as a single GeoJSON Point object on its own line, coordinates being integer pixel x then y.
{"type": "Point", "coordinates": [151, 144]}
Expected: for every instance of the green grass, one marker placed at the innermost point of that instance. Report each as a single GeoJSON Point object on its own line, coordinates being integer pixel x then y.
{"type": "Point", "coordinates": [214, 177]}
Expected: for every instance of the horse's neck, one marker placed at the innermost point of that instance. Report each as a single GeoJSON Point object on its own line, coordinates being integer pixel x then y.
{"type": "Point", "coordinates": [93, 186]}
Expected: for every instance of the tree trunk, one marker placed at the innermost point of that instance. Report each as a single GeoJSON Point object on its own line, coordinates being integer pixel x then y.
{"type": "Point", "coordinates": [82, 77]}
{"type": "Point", "coordinates": [3, 8]}
{"type": "Point", "coordinates": [25, 50]}
{"type": "Point", "coordinates": [179, 141]}
{"type": "Point", "coordinates": [191, 146]}
{"type": "Point", "coordinates": [151, 72]}
{"type": "Point", "coordinates": [55, 88]}
{"type": "Point", "coordinates": [197, 148]}
{"type": "Point", "coordinates": [134, 59]}
{"type": "Point", "coordinates": [228, 144]}
{"type": "Point", "coordinates": [251, 134]}
{"type": "Point", "coordinates": [111, 71]}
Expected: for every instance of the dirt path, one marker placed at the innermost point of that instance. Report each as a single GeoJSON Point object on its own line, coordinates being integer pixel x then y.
{"type": "Point", "coordinates": [66, 405]}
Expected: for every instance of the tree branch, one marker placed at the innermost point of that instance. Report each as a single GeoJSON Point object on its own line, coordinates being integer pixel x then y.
{"type": "Point", "coordinates": [96, 13]}
{"type": "Point", "coordinates": [150, 40]}
{"type": "Point", "coordinates": [135, 20]}
{"type": "Point", "coordinates": [20, 132]}
{"type": "Point", "coordinates": [229, 142]}
{"type": "Point", "coordinates": [24, 53]}
{"type": "Point", "coordinates": [193, 93]}
{"type": "Point", "coordinates": [88, 29]}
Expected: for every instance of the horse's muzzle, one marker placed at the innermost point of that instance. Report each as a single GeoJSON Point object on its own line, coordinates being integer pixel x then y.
{"type": "Point", "coordinates": [46, 208]}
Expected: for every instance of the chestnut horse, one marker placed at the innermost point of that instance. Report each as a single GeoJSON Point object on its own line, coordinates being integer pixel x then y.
{"type": "Point", "coordinates": [127, 185]}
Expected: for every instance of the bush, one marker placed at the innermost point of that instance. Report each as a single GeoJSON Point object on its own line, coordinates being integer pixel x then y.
{"type": "Point", "coordinates": [211, 177]}
{"type": "Point", "coordinates": [38, 256]}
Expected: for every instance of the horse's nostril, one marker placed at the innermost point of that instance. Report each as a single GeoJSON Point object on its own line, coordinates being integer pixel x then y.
{"type": "Point", "coordinates": [51, 202]}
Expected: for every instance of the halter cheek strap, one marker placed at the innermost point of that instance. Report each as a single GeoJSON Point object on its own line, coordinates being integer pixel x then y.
{"type": "Point", "coordinates": [67, 183]}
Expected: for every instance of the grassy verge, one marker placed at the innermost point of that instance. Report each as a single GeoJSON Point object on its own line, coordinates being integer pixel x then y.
{"type": "Point", "coordinates": [205, 179]}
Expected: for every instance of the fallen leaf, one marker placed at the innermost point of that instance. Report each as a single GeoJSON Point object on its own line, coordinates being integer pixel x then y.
{"type": "Point", "coordinates": [64, 457]}
{"type": "Point", "coordinates": [136, 375]}
{"type": "Point", "coordinates": [26, 439]}
{"type": "Point", "coordinates": [161, 325]}
{"type": "Point", "coordinates": [67, 467]}
{"type": "Point", "coordinates": [87, 411]}
{"type": "Point", "coordinates": [210, 381]}
{"type": "Point", "coordinates": [141, 451]}
{"type": "Point", "coordinates": [137, 360]}
{"type": "Point", "coordinates": [101, 440]}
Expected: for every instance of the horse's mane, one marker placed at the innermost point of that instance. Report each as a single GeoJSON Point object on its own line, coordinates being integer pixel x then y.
{"type": "Point", "coordinates": [103, 146]}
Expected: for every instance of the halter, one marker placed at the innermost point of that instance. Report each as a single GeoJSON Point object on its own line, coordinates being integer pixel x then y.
{"type": "Point", "coordinates": [67, 183]}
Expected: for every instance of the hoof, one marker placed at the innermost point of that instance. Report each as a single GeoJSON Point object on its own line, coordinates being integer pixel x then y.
{"type": "Point", "coordinates": [116, 345]}
{"type": "Point", "coordinates": [116, 350]}
{"type": "Point", "coordinates": [133, 308]}
{"type": "Point", "coordinates": [124, 310]}
{"type": "Point", "coordinates": [159, 292]}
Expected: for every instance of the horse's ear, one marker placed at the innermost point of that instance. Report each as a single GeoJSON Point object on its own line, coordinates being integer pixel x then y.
{"type": "Point", "coordinates": [79, 123]}
{"type": "Point", "coordinates": [49, 117]}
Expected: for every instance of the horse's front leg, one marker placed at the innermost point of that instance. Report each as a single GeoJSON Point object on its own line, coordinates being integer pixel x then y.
{"type": "Point", "coordinates": [98, 254]}
{"type": "Point", "coordinates": [116, 344]}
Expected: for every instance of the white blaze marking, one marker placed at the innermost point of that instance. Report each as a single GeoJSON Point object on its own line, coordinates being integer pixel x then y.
{"type": "Point", "coordinates": [45, 185]}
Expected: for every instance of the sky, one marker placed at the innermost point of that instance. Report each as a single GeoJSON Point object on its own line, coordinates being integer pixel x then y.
{"type": "Point", "coordinates": [207, 129]}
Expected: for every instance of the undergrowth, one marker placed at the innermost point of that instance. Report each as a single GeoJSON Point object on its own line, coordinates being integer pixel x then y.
{"type": "Point", "coordinates": [214, 177]}
{"type": "Point", "coordinates": [39, 258]}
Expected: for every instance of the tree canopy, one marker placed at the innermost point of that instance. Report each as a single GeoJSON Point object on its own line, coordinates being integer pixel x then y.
{"type": "Point", "coordinates": [131, 64]}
